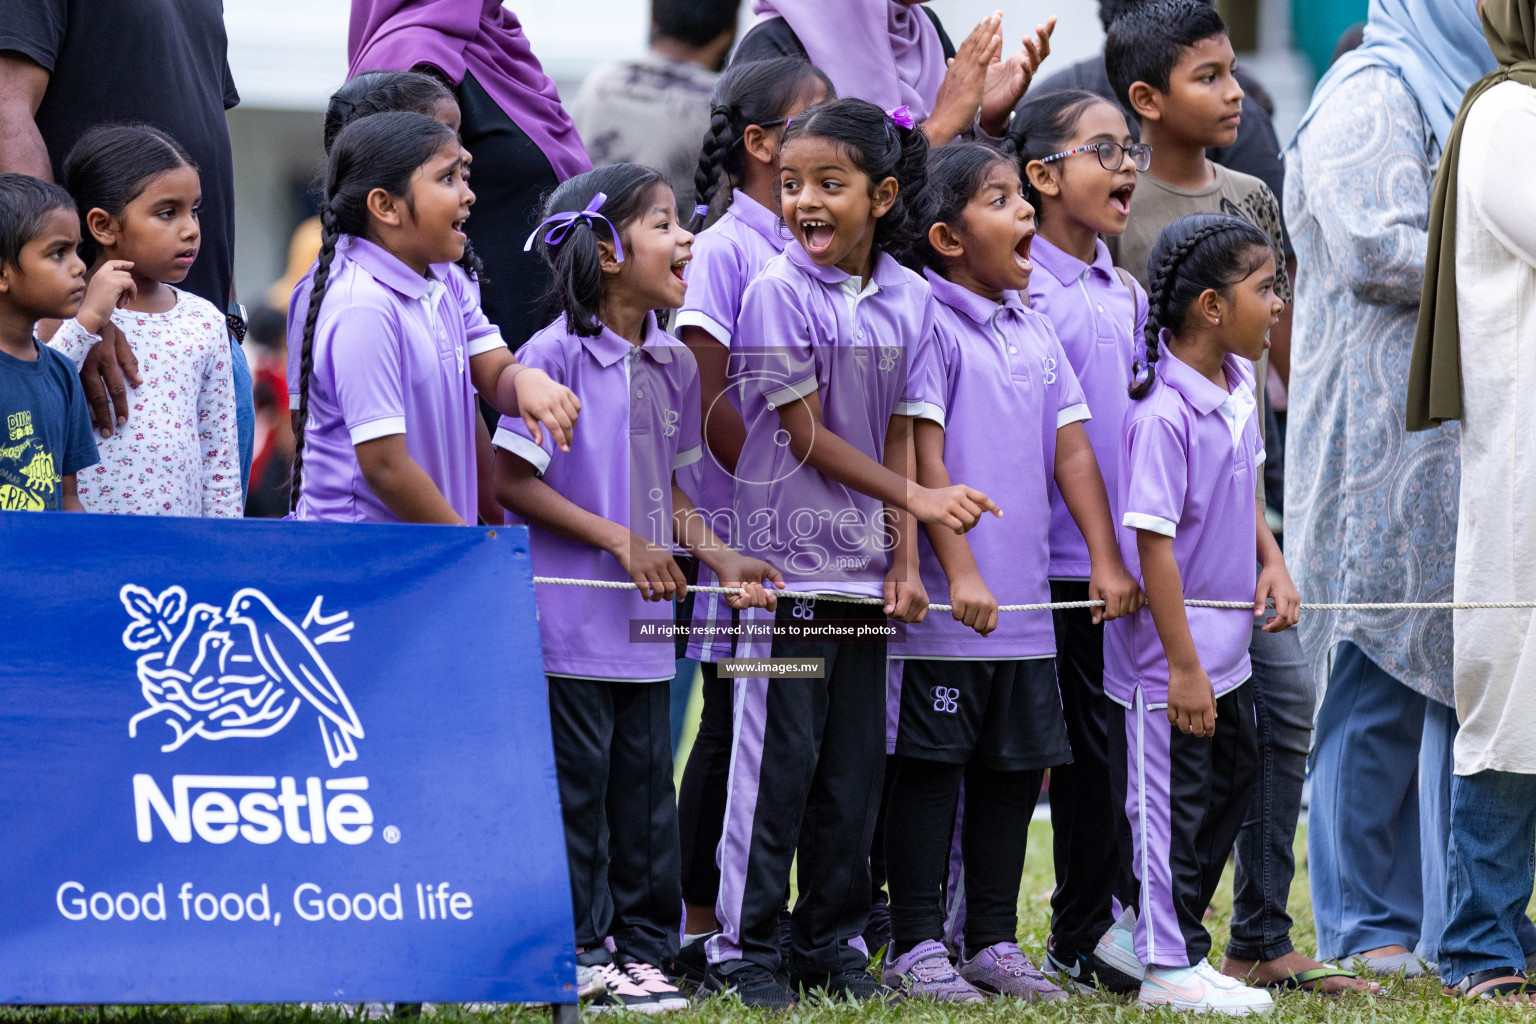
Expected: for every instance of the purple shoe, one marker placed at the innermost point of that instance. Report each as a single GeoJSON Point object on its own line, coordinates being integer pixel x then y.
{"type": "Point", "coordinates": [1004, 970]}
{"type": "Point", "coordinates": [926, 973]}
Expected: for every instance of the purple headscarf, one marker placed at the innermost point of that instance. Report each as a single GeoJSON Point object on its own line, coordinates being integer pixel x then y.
{"type": "Point", "coordinates": [482, 38]}
{"type": "Point", "coordinates": [878, 50]}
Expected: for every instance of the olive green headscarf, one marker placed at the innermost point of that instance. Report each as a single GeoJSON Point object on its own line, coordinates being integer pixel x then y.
{"type": "Point", "coordinates": [1434, 375]}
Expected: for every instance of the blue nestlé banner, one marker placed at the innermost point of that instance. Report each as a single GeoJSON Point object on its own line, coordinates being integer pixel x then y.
{"type": "Point", "coordinates": [274, 762]}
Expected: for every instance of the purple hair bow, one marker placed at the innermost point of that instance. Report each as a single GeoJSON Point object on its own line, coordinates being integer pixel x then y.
{"type": "Point", "coordinates": [902, 116]}
{"type": "Point", "coordinates": [560, 225]}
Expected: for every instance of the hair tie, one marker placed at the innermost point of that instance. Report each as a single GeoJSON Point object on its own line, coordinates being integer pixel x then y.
{"type": "Point", "coordinates": [560, 225]}
{"type": "Point", "coordinates": [902, 116]}
{"type": "Point", "coordinates": [702, 210]}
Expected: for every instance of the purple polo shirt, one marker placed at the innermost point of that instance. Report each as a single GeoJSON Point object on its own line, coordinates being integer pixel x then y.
{"type": "Point", "coordinates": [1189, 460]}
{"type": "Point", "coordinates": [465, 291]}
{"type": "Point", "coordinates": [726, 257]}
{"type": "Point", "coordinates": [988, 364]}
{"type": "Point", "coordinates": [391, 356]}
{"type": "Point", "coordinates": [639, 423]}
{"type": "Point", "coordinates": [808, 329]}
{"type": "Point", "coordinates": [1100, 323]}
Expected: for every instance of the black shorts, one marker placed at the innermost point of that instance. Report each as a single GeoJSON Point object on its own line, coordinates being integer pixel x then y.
{"type": "Point", "coordinates": [1006, 714]}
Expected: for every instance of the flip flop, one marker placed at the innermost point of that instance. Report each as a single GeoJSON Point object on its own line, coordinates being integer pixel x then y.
{"type": "Point", "coordinates": [1294, 982]}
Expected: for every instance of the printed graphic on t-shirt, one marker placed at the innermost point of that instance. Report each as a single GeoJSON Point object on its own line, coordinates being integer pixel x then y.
{"type": "Point", "coordinates": [29, 474]}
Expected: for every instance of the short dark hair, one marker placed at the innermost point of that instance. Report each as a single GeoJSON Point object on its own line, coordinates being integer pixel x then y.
{"type": "Point", "coordinates": [1109, 10]}
{"type": "Point", "coordinates": [111, 165]}
{"type": "Point", "coordinates": [25, 203]}
{"type": "Point", "coordinates": [695, 22]}
{"type": "Point", "coordinates": [1147, 41]}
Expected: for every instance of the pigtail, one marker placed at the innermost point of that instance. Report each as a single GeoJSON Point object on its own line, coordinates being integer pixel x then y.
{"type": "Point", "coordinates": [329, 235]}
{"type": "Point", "coordinates": [1181, 266]}
{"type": "Point", "coordinates": [471, 264]}
{"type": "Point", "coordinates": [719, 139]}
{"type": "Point", "coordinates": [577, 283]}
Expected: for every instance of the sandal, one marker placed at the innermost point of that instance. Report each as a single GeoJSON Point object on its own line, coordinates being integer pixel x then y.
{"type": "Point", "coordinates": [1295, 982]}
{"type": "Point", "coordinates": [1495, 983]}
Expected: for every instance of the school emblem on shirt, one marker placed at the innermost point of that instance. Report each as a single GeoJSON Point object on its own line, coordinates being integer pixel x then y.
{"type": "Point", "coordinates": [946, 699]}
{"type": "Point", "coordinates": [242, 670]}
{"type": "Point", "coordinates": [1048, 363]}
{"type": "Point", "coordinates": [669, 419]}
{"type": "Point", "coordinates": [890, 355]}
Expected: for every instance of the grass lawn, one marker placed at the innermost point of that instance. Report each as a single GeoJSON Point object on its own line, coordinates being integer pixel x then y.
{"type": "Point", "coordinates": [1401, 1001]}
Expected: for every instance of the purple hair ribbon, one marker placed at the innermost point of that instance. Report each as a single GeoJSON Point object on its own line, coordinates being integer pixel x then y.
{"type": "Point", "coordinates": [560, 225]}
{"type": "Point", "coordinates": [902, 116]}
{"type": "Point", "coordinates": [702, 210]}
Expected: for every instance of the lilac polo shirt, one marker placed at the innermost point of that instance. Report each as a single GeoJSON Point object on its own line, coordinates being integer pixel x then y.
{"type": "Point", "coordinates": [639, 423]}
{"type": "Point", "coordinates": [726, 257]}
{"type": "Point", "coordinates": [1100, 323]}
{"type": "Point", "coordinates": [808, 329]}
{"type": "Point", "coordinates": [465, 291]}
{"type": "Point", "coordinates": [1188, 465]}
{"type": "Point", "coordinates": [990, 364]}
{"type": "Point", "coordinates": [391, 356]}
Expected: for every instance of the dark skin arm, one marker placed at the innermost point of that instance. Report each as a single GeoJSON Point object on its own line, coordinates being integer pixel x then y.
{"type": "Point", "coordinates": [401, 484]}
{"type": "Point", "coordinates": [723, 430]}
{"type": "Point", "coordinates": [513, 389]}
{"type": "Point", "coordinates": [730, 567]}
{"type": "Point", "coordinates": [1082, 488]}
{"type": "Point", "coordinates": [70, 499]}
{"type": "Point", "coordinates": [1191, 698]}
{"type": "Point", "coordinates": [1274, 579]}
{"type": "Point", "coordinates": [906, 599]}
{"type": "Point", "coordinates": [485, 474]}
{"type": "Point", "coordinates": [23, 82]}
{"type": "Point", "coordinates": [970, 599]}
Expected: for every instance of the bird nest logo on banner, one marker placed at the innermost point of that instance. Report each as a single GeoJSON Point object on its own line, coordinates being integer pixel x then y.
{"type": "Point", "coordinates": [242, 671]}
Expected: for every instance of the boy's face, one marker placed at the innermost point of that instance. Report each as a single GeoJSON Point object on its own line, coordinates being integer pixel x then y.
{"type": "Point", "coordinates": [1203, 104]}
{"type": "Point", "coordinates": [49, 280]}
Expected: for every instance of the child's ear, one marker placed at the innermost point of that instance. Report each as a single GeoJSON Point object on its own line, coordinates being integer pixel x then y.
{"type": "Point", "coordinates": [102, 226]}
{"type": "Point", "coordinates": [607, 259]}
{"type": "Point", "coordinates": [760, 145]}
{"type": "Point", "coordinates": [885, 197]}
{"type": "Point", "coordinates": [1146, 101]}
{"type": "Point", "coordinates": [1211, 306]}
{"type": "Point", "coordinates": [1042, 178]}
{"type": "Point", "coordinates": [385, 208]}
{"type": "Point", "coordinates": [946, 241]}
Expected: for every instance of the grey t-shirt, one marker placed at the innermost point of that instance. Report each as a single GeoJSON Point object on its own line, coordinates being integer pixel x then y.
{"type": "Point", "coordinates": [47, 430]}
{"type": "Point", "coordinates": [651, 111]}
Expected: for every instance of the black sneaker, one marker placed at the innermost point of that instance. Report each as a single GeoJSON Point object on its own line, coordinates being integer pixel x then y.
{"type": "Point", "coordinates": [752, 983]}
{"type": "Point", "coordinates": [691, 964]}
{"type": "Point", "coordinates": [849, 985]}
{"type": "Point", "coordinates": [1087, 972]}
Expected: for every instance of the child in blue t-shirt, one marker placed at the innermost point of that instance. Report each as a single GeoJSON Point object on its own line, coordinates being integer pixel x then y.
{"type": "Point", "coordinates": [47, 437]}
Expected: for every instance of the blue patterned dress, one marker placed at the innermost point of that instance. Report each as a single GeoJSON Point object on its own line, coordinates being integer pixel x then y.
{"type": "Point", "coordinates": [1370, 509]}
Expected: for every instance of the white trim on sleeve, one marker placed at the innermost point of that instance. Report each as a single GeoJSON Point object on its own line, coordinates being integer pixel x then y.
{"type": "Point", "coordinates": [293, 401]}
{"type": "Point", "coordinates": [374, 429]}
{"type": "Point", "coordinates": [523, 448]}
{"type": "Point", "coordinates": [1153, 524]}
{"type": "Point", "coordinates": [1073, 414]}
{"type": "Point", "coordinates": [688, 457]}
{"type": "Point", "coordinates": [1262, 456]}
{"type": "Point", "coordinates": [485, 343]}
{"type": "Point", "coordinates": [921, 411]}
{"type": "Point", "coordinates": [798, 390]}
{"type": "Point", "coordinates": [704, 322]}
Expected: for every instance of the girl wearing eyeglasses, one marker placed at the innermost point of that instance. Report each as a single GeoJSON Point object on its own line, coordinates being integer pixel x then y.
{"type": "Point", "coordinates": [1080, 166]}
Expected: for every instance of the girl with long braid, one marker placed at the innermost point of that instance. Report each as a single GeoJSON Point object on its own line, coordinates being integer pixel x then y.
{"type": "Point", "coordinates": [750, 106]}
{"type": "Point", "coordinates": [389, 365]}
{"type": "Point", "coordinates": [1191, 527]}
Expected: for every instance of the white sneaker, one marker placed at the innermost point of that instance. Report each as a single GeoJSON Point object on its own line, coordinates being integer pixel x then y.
{"type": "Point", "coordinates": [1117, 947]}
{"type": "Point", "coordinates": [1202, 989]}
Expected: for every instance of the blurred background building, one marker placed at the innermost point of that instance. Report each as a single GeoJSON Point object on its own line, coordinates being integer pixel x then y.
{"type": "Point", "coordinates": [288, 55]}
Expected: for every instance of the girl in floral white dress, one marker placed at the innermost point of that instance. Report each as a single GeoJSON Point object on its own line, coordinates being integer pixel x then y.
{"type": "Point", "coordinates": [138, 193]}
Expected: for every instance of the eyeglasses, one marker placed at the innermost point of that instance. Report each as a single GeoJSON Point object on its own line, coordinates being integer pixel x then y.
{"type": "Point", "coordinates": [1111, 155]}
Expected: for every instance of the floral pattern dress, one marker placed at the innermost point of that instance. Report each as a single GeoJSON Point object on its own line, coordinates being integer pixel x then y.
{"type": "Point", "coordinates": [178, 455]}
{"type": "Point", "coordinates": [1370, 509]}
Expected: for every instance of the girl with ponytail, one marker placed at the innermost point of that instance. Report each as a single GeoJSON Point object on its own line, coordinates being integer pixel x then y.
{"type": "Point", "coordinates": [740, 160]}
{"type": "Point", "coordinates": [611, 508]}
{"type": "Point", "coordinates": [1191, 527]}
{"type": "Point", "coordinates": [389, 361]}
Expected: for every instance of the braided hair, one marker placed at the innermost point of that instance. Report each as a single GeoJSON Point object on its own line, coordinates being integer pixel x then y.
{"type": "Point", "coordinates": [1200, 252]}
{"type": "Point", "coordinates": [378, 92]}
{"type": "Point", "coordinates": [760, 92]}
{"type": "Point", "coordinates": [381, 151]}
{"type": "Point", "coordinates": [881, 149]}
{"type": "Point", "coordinates": [1043, 127]}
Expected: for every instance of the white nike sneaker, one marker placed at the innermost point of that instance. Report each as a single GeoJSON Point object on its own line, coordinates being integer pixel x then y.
{"type": "Point", "coordinates": [1201, 989]}
{"type": "Point", "coordinates": [1117, 947]}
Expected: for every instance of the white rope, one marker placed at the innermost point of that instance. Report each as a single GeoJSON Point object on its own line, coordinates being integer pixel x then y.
{"type": "Point", "coordinates": [1051, 606]}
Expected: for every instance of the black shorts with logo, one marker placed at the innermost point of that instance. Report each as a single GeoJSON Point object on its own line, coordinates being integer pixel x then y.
{"type": "Point", "coordinates": [1005, 714]}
